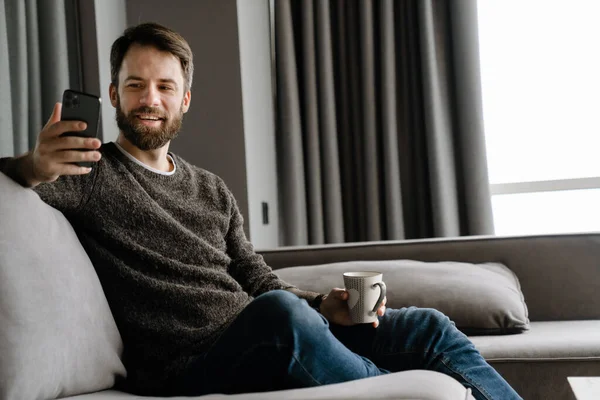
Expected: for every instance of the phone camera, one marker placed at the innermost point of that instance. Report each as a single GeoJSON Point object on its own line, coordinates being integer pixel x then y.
{"type": "Point", "coordinates": [69, 95]}
{"type": "Point", "coordinates": [76, 101]}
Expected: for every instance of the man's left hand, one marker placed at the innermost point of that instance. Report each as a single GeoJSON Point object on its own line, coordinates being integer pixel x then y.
{"type": "Point", "coordinates": [334, 307]}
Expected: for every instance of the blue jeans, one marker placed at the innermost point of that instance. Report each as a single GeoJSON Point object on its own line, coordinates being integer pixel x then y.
{"type": "Point", "coordinates": [279, 342]}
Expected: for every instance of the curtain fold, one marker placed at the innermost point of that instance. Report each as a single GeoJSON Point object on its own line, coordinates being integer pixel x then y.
{"type": "Point", "coordinates": [477, 208]}
{"type": "Point", "coordinates": [7, 145]}
{"type": "Point", "coordinates": [380, 128]}
{"type": "Point", "coordinates": [34, 43]}
{"type": "Point", "coordinates": [331, 185]}
{"type": "Point", "coordinates": [290, 159]}
{"type": "Point", "coordinates": [369, 151]}
{"type": "Point", "coordinates": [394, 215]}
{"type": "Point", "coordinates": [440, 135]}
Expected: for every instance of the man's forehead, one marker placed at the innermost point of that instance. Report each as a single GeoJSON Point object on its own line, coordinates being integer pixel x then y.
{"type": "Point", "coordinates": [141, 78]}
{"type": "Point", "coordinates": [141, 61]}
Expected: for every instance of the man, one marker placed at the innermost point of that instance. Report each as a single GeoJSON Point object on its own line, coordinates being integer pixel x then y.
{"type": "Point", "coordinates": [198, 309]}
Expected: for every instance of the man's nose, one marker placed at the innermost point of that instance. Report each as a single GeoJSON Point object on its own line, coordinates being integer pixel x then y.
{"type": "Point", "coordinates": [150, 97]}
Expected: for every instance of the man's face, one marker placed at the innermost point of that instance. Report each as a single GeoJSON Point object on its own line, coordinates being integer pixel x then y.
{"type": "Point", "coordinates": [150, 100]}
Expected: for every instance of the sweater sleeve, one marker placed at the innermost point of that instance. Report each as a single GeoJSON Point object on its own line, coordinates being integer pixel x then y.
{"type": "Point", "coordinates": [69, 193]}
{"type": "Point", "coordinates": [247, 267]}
{"type": "Point", "coordinates": [66, 194]}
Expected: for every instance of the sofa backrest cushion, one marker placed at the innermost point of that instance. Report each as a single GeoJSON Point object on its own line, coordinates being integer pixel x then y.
{"type": "Point", "coordinates": [482, 299]}
{"type": "Point", "coordinates": [57, 335]}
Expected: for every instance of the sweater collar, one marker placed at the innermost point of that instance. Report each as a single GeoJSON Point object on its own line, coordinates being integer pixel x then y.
{"type": "Point", "coordinates": [135, 160]}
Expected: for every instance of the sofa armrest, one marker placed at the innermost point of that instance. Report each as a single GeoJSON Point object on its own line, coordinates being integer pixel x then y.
{"type": "Point", "coordinates": [559, 274]}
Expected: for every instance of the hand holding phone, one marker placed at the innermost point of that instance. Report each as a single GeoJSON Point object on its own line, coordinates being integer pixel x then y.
{"type": "Point", "coordinates": [55, 155]}
{"type": "Point", "coordinates": [79, 106]}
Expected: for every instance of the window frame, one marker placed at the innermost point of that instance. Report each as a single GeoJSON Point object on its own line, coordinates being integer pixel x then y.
{"type": "Point", "coordinates": [545, 186]}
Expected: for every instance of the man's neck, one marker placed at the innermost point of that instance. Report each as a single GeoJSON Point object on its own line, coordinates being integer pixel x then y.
{"type": "Point", "coordinates": [156, 159]}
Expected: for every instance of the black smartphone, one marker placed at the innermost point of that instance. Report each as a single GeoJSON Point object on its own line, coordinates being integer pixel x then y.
{"type": "Point", "coordinates": [79, 106]}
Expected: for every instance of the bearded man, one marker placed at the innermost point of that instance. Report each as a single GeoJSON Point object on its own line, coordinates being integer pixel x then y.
{"type": "Point", "coordinates": [198, 310]}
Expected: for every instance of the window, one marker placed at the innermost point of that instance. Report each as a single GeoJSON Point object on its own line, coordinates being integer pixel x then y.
{"type": "Point", "coordinates": [540, 71]}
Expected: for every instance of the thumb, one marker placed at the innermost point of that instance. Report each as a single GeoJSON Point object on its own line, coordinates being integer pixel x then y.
{"type": "Point", "coordinates": [340, 294]}
{"type": "Point", "coordinates": [55, 117]}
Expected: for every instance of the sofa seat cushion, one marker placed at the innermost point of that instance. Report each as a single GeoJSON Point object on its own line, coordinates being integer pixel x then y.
{"type": "Point", "coordinates": [537, 363]}
{"type": "Point", "coordinates": [416, 384]}
{"type": "Point", "coordinates": [545, 341]}
{"type": "Point", "coordinates": [481, 299]}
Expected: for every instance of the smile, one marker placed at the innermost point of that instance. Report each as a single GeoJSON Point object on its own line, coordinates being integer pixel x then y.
{"type": "Point", "coordinates": [149, 118]}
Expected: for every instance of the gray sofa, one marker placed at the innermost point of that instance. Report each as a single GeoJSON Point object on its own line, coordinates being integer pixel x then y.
{"type": "Point", "coordinates": [536, 296]}
{"type": "Point", "coordinates": [559, 276]}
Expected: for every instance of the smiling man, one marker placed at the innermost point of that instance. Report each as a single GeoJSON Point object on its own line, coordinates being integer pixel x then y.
{"type": "Point", "coordinates": [198, 310]}
{"type": "Point", "coordinates": [150, 95]}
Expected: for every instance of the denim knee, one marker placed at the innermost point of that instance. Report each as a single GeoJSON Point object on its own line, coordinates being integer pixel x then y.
{"type": "Point", "coordinates": [430, 317]}
{"type": "Point", "coordinates": [427, 323]}
{"type": "Point", "coordinates": [286, 309]}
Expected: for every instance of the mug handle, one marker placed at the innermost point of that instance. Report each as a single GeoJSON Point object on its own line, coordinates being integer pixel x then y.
{"type": "Point", "coordinates": [381, 295]}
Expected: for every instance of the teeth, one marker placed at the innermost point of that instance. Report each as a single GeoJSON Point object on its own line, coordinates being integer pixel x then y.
{"type": "Point", "coordinates": [148, 118]}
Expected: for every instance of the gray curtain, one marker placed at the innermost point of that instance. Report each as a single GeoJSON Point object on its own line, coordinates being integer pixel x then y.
{"type": "Point", "coordinates": [379, 120]}
{"type": "Point", "coordinates": [38, 60]}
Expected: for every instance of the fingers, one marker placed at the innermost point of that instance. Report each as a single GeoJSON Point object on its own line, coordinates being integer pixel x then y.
{"type": "Point", "coordinates": [55, 127]}
{"type": "Point", "coordinates": [60, 127]}
{"type": "Point", "coordinates": [71, 142]}
{"type": "Point", "coordinates": [55, 117]}
{"type": "Point", "coordinates": [48, 167]}
{"type": "Point", "coordinates": [380, 312]}
{"type": "Point", "coordinates": [64, 169]}
{"type": "Point", "coordinates": [338, 293]}
{"type": "Point", "coordinates": [72, 169]}
{"type": "Point", "coordinates": [54, 154]}
{"type": "Point", "coordinates": [382, 307]}
{"type": "Point", "coordinates": [47, 157]}
{"type": "Point", "coordinates": [71, 156]}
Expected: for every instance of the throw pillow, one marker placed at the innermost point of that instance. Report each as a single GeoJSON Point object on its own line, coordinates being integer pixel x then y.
{"type": "Point", "coordinates": [479, 298]}
{"type": "Point", "coordinates": [57, 335]}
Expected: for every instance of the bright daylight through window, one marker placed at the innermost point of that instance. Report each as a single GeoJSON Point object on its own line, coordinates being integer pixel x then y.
{"type": "Point", "coordinates": [540, 71]}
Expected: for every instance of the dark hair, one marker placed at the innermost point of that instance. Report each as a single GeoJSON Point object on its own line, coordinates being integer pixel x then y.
{"type": "Point", "coordinates": [158, 36]}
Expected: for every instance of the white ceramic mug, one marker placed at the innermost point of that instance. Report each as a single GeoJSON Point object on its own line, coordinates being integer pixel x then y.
{"type": "Point", "coordinates": [366, 293]}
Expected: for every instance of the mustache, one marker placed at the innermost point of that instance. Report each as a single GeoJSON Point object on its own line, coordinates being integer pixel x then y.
{"type": "Point", "coordinates": [150, 111]}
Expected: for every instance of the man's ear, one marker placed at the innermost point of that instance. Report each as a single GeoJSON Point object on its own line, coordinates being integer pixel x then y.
{"type": "Point", "coordinates": [187, 98]}
{"type": "Point", "coordinates": [113, 94]}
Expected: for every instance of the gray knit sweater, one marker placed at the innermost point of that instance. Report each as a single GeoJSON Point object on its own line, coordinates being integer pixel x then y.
{"type": "Point", "coordinates": [171, 254]}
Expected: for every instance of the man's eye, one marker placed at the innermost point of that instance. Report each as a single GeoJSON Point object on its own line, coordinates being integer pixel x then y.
{"type": "Point", "coordinates": [134, 85]}
{"type": "Point", "coordinates": [166, 88]}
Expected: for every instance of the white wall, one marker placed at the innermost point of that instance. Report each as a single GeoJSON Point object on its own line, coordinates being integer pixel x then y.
{"type": "Point", "coordinates": [229, 127]}
{"type": "Point", "coordinates": [110, 24]}
{"type": "Point", "coordinates": [102, 21]}
{"type": "Point", "coordinates": [258, 114]}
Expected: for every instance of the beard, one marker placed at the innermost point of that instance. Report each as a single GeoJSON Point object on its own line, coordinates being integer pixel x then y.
{"type": "Point", "coordinates": [146, 137]}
